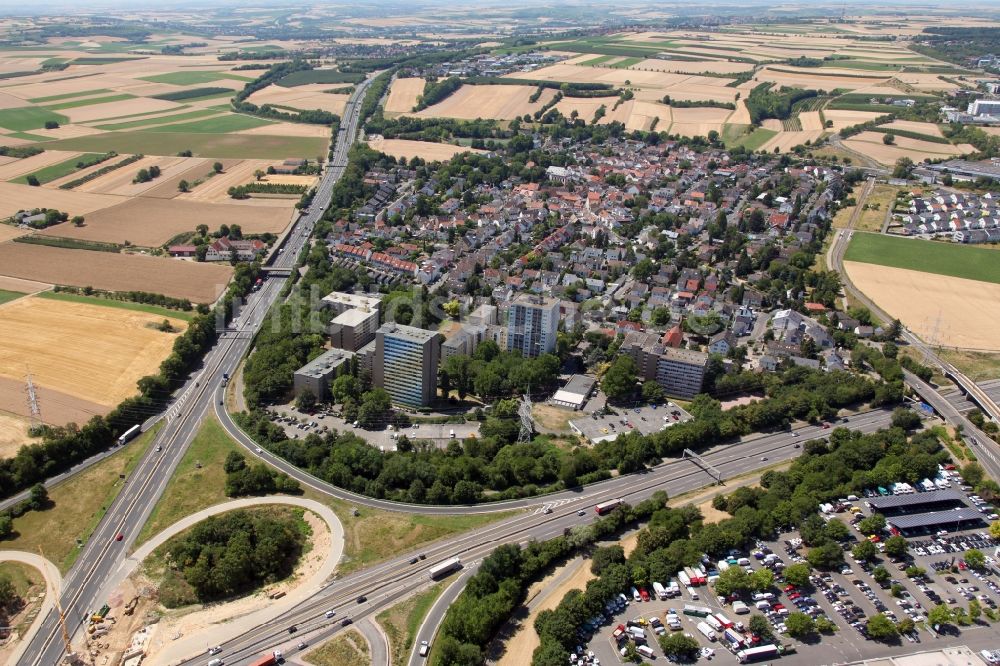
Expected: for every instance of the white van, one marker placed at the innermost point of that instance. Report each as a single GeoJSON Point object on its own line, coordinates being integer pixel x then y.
{"type": "Point", "coordinates": [215, 662]}
{"type": "Point", "coordinates": [645, 651]}
{"type": "Point", "coordinates": [763, 605]}
{"type": "Point", "coordinates": [692, 593]}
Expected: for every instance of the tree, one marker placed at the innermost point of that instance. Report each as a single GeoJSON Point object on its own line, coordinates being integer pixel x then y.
{"type": "Point", "coordinates": [78, 220]}
{"type": "Point", "coordinates": [619, 381]}
{"type": "Point", "coordinates": [259, 174]}
{"type": "Point", "coordinates": [975, 610]}
{"type": "Point", "coordinates": [32, 180]}
{"type": "Point", "coordinates": [652, 392]}
{"type": "Point", "coordinates": [865, 550]}
{"type": "Point", "coordinates": [881, 575]}
{"type": "Point", "coordinates": [684, 647]}
{"type": "Point", "coordinates": [374, 408]}
{"type": "Point", "coordinates": [940, 614]}
{"type": "Point", "coordinates": [873, 524]}
{"type": "Point", "coordinates": [51, 124]}
{"type": "Point", "coordinates": [6, 525]}
{"type": "Point", "coordinates": [825, 556]}
{"type": "Point", "coordinates": [903, 168]}
{"type": "Point", "coordinates": [906, 626]}
{"type": "Point", "coordinates": [761, 579]}
{"type": "Point", "coordinates": [905, 418]}
{"type": "Point", "coordinates": [605, 556]}
{"type": "Point", "coordinates": [824, 625]}
{"type": "Point", "coordinates": [305, 401]}
{"type": "Point", "coordinates": [660, 316]}
{"type": "Point", "coordinates": [183, 186]}
{"type": "Point", "coordinates": [888, 139]}
{"type": "Point", "coordinates": [995, 529]}
{"type": "Point", "coordinates": [881, 628]}
{"type": "Point", "coordinates": [759, 625]}
{"type": "Point", "coordinates": [217, 167]}
{"type": "Point", "coordinates": [895, 546]}
{"type": "Point", "coordinates": [799, 625]}
{"type": "Point", "coordinates": [38, 497]}
{"type": "Point", "coordinates": [235, 461]}
{"type": "Point", "coordinates": [797, 574]}
{"type": "Point", "coordinates": [975, 558]}
{"type": "Point", "coordinates": [732, 581]}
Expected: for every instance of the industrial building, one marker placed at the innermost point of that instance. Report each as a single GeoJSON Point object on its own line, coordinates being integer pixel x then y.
{"type": "Point", "coordinates": [532, 323]}
{"type": "Point", "coordinates": [575, 393]}
{"type": "Point", "coordinates": [927, 511]}
{"type": "Point", "coordinates": [984, 107]}
{"type": "Point", "coordinates": [317, 375]}
{"type": "Point", "coordinates": [935, 500]}
{"type": "Point", "coordinates": [406, 363]}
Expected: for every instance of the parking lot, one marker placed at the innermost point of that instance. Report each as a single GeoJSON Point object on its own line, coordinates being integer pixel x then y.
{"type": "Point", "coordinates": [847, 596]}
{"type": "Point", "coordinates": [299, 424]}
{"type": "Point", "coordinates": [646, 420]}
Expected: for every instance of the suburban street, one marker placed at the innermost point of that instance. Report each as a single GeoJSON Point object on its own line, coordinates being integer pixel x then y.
{"type": "Point", "coordinates": [103, 553]}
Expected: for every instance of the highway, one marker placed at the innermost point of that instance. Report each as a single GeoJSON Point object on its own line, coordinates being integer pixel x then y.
{"type": "Point", "coordinates": [390, 581]}
{"type": "Point", "coordinates": [102, 554]}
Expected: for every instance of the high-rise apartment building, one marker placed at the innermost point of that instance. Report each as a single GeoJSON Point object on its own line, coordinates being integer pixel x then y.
{"type": "Point", "coordinates": [406, 363]}
{"type": "Point", "coordinates": [532, 323]}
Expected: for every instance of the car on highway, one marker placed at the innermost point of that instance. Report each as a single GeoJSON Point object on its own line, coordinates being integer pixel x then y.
{"type": "Point", "coordinates": [119, 536]}
{"type": "Point", "coordinates": [215, 650]}
{"type": "Point", "coordinates": [346, 621]}
{"type": "Point", "coordinates": [302, 645]}
{"type": "Point", "coordinates": [547, 510]}
{"type": "Point", "coordinates": [581, 512]}
{"type": "Point", "coordinates": [763, 458]}
{"type": "Point", "coordinates": [362, 599]}
{"type": "Point", "coordinates": [330, 613]}
{"type": "Point", "coordinates": [292, 629]}
{"type": "Point", "coordinates": [413, 560]}
{"type": "Point", "coordinates": [424, 648]}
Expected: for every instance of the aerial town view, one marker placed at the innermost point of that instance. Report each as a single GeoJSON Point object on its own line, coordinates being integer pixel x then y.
{"type": "Point", "coordinates": [572, 333]}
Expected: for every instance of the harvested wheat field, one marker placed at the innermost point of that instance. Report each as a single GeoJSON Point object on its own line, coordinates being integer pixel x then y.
{"type": "Point", "coordinates": [151, 222]}
{"type": "Point", "coordinates": [794, 78]}
{"type": "Point", "coordinates": [12, 170]}
{"type": "Point", "coordinates": [870, 144]}
{"type": "Point", "coordinates": [842, 119]}
{"type": "Point", "coordinates": [290, 129]}
{"type": "Point", "coordinates": [306, 98]}
{"type": "Point", "coordinates": [200, 283]}
{"type": "Point", "coordinates": [693, 66]}
{"type": "Point", "coordinates": [811, 121]}
{"type": "Point", "coordinates": [576, 74]}
{"type": "Point", "coordinates": [698, 121]}
{"type": "Point", "coordinates": [8, 232]}
{"type": "Point", "coordinates": [785, 141]}
{"type": "Point", "coordinates": [490, 101]}
{"type": "Point", "coordinates": [93, 352]}
{"type": "Point", "coordinates": [120, 181]}
{"type": "Point", "coordinates": [432, 152]}
{"type": "Point", "coordinates": [741, 116]}
{"type": "Point", "coordinates": [57, 408]}
{"type": "Point", "coordinates": [13, 434]}
{"type": "Point", "coordinates": [23, 286]}
{"type": "Point", "coordinates": [930, 129]}
{"type": "Point", "coordinates": [125, 107]}
{"type": "Point", "coordinates": [15, 197]}
{"type": "Point", "coordinates": [8, 101]}
{"type": "Point", "coordinates": [215, 188]}
{"type": "Point", "coordinates": [66, 131]}
{"type": "Point", "coordinates": [955, 311]}
{"type": "Point", "coordinates": [403, 95]}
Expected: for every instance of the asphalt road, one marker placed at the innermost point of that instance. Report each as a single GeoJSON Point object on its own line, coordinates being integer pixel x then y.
{"type": "Point", "coordinates": [386, 583]}
{"type": "Point", "coordinates": [102, 553]}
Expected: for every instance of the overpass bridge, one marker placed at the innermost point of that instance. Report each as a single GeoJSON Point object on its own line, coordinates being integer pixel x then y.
{"type": "Point", "coordinates": [973, 392]}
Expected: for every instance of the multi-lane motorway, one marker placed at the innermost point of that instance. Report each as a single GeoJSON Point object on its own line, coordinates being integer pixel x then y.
{"type": "Point", "coordinates": [390, 581]}
{"type": "Point", "coordinates": [103, 552]}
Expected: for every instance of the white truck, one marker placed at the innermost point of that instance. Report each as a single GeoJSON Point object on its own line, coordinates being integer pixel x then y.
{"type": "Point", "coordinates": [714, 623]}
{"type": "Point", "coordinates": [706, 630]}
{"type": "Point", "coordinates": [661, 592]}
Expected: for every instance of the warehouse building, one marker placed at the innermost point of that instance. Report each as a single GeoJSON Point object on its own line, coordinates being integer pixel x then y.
{"type": "Point", "coordinates": [937, 500]}
{"type": "Point", "coordinates": [574, 395]}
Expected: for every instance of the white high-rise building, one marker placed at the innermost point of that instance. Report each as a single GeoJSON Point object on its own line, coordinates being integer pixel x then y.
{"type": "Point", "coordinates": [532, 323]}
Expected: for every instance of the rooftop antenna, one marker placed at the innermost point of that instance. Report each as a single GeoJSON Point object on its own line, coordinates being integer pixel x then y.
{"type": "Point", "coordinates": [33, 410]}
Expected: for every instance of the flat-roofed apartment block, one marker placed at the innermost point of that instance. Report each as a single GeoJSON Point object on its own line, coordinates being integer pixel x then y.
{"type": "Point", "coordinates": [680, 372]}
{"type": "Point", "coordinates": [406, 363]}
{"type": "Point", "coordinates": [317, 375]}
{"type": "Point", "coordinates": [532, 323]}
{"type": "Point", "coordinates": [356, 320]}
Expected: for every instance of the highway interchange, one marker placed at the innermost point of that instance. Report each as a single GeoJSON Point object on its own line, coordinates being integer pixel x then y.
{"type": "Point", "coordinates": [384, 584]}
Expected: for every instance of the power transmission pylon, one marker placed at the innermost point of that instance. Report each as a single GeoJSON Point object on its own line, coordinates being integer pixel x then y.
{"type": "Point", "coordinates": [69, 656]}
{"type": "Point", "coordinates": [527, 423]}
{"type": "Point", "coordinates": [33, 410]}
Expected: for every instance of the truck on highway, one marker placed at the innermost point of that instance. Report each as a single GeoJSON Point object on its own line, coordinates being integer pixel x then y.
{"type": "Point", "coordinates": [445, 567]}
{"type": "Point", "coordinates": [266, 660]}
{"type": "Point", "coordinates": [608, 507]}
{"type": "Point", "coordinates": [129, 434]}
{"type": "Point", "coordinates": [757, 654]}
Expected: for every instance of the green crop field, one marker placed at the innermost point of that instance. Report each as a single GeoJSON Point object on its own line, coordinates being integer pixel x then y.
{"type": "Point", "coordinates": [56, 98]}
{"type": "Point", "coordinates": [195, 94]}
{"type": "Point", "coordinates": [88, 102]}
{"type": "Point", "coordinates": [161, 120]}
{"type": "Point", "coordinates": [220, 125]}
{"type": "Point", "coordinates": [308, 76]}
{"type": "Point", "coordinates": [99, 60]}
{"type": "Point", "coordinates": [596, 61]}
{"type": "Point", "coordinates": [243, 146]}
{"type": "Point", "coordinates": [192, 78]}
{"type": "Point", "coordinates": [121, 305]}
{"type": "Point", "coordinates": [28, 118]}
{"type": "Point", "coordinates": [56, 171]}
{"type": "Point", "coordinates": [7, 296]}
{"type": "Point", "coordinates": [755, 139]}
{"type": "Point", "coordinates": [963, 261]}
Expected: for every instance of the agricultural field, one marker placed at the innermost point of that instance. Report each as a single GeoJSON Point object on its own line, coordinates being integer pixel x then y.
{"type": "Point", "coordinates": [490, 101]}
{"type": "Point", "coordinates": [872, 145]}
{"type": "Point", "coordinates": [403, 96]}
{"type": "Point", "coordinates": [302, 97]}
{"type": "Point", "coordinates": [86, 351]}
{"type": "Point", "coordinates": [200, 283]}
{"type": "Point", "coordinates": [201, 144]}
{"type": "Point", "coordinates": [422, 149]}
{"type": "Point", "coordinates": [955, 260]}
{"type": "Point", "coordinates": [950, 311]}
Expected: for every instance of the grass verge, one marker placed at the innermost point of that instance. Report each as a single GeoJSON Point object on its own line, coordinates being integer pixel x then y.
{"type": "Point", "coordinates": [402, 621]}
{"type": "Point", "coordinates": [345, 649]}
{"type": "Point", "coordinates": [55, 171]}
{"type": "Point", "coordinates": [78, 504]}
{"type": "Point", "coordinates": [7, 296]}
{"type": "Point", "coordinates": [121, 305]}
{"type": "Point", "coordinates": [978, 366]}
{"type": "Point", "coordinates": [28, 582]}
{"type": "Point", "coordinates": [198, 482]}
